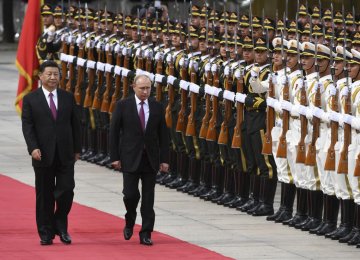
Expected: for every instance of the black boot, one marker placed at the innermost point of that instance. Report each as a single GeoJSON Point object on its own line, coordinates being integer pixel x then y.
{"type": "Point", "coordinates": [325, 216]}
{"type": "Point", "coordinates": [356, 237]}
{"type": "Point", "coordinates": [347, 219]}
{"type": "Point", "coordinates": [332, 209]}
{"type": "Point", "coordinates": [316, 208]}
{"type": "Point", "coordinates": [100, 151]}
{"type": "Point", "coordinates": [253, 202]}
{"type": "Point", "coordinates": [301, 208]}
{"type": "Point", "coordinates": [282, 206]}
{"type": "Point", "coordinates": [173, 169]}
{"type": "Point", "coordinates": [267, 199]}
{"type": "Point", "coordinates": [215, 191]}
{"type": "Point", "coordinates": [91, 135]}
{"type": "Point", "coordinates": [181, 179]}
{"type": "Point", "coordinates": [290, 191]}
{"type": "Point", "coordinates": [205, 183]}
{"type": "Point", "coordinates": [229, 188]}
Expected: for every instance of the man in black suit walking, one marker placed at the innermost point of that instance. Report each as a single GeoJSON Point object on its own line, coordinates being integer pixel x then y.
{"type": "Point", "coordinates": [139, 145]}
{"type": "Point", "coordinates": [51, 129]}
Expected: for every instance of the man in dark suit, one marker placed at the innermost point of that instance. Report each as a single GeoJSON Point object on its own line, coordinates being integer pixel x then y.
{"type": "Point", "coordinates": [51, 129]}
{"type": "Point", "coordinates": [139, 145]}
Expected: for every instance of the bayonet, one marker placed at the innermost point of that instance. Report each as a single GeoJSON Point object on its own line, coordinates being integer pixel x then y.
{"type": "Point", "coordinates": [138, 24]}
{"type": "Point", "coordinates": [332, 42]}
{"type": "Point", "coordinates": [157, 27]}
{"type": "Point", "coordinates": [344, 51]}
{"type": "Point", "coordinates": [226, 34]}
{"type": "Point", "coordinates": [107, 31]}
{"type": "Point", "coordinates": [263, 21]}
{"type": "Point", "coordinates": [354, 23]}
{"type": "Point", "coordinates": [236, 33]}
{"type": "Point", "coordinates": [286, 12]}
{"type": "Point", "coordinates": [283, 51]}
{"type": "Point", "coordinates": [146, 28]}
{"type": "Point", "coordinates": [251, 24]}
{"type": "Point", "coordinates": [87, 18]}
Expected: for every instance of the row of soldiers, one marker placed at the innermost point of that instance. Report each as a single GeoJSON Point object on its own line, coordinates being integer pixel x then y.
{"type": "Point", "coordinates": [250, 103]}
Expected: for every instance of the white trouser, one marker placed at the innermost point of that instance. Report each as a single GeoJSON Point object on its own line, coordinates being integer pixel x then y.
{"type": "Point", "coordinates": [297, 170]}
{"type": "Point", "coordinates": [354, 150]}
{"type": "Point", "coordinates": [341, 181]}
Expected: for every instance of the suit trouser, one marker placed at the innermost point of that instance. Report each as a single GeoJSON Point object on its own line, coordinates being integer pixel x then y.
{"type": "Point", "coordinates": [53, 184]}
{"type": "Point", "coordinates": [354, 150]}
{"type": "Point", "coordinates": [147, 175]}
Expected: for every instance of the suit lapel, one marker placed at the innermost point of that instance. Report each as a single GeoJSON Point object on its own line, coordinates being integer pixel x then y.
{"type": "Point", "coordinates": [44, 103]}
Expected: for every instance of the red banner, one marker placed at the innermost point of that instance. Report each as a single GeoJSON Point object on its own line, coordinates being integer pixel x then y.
{"type": "Point", "coordinates": [26, 59]}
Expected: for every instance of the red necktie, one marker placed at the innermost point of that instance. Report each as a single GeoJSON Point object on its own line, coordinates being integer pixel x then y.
{"type": "Point", "coordinates": [52, 106]}
{"type": "Point", "coordinates": [142, 115]}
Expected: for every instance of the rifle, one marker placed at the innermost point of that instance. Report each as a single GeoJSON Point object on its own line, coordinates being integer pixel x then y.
{"type": "Point", "coordinates": [159, 63]}
{"type": "Point", "coordinates": [343, 160]}
{"type": "Point", "coordinates": [80, 78]}
{"type": "Point", "coordinates": [270, 115]}
{"type": "Point", "coordinates": [171, 95]}
{"type": "Point", "coordinates": [211, 133]}
{"type": "Point", "coordinates": [64, 50]}
{"type": "Point", "coordinates": [282, 147]}
{"type": "Point", "coordinates": [105, 98]}
{"type": "Point", "coordinates": [140, 61]}
{"type": "Point", "coordinates": [311, 154]}
{"type": "Point", "coordinates": [236, 141]}
{"type": "Point", "coordinates": [69, 85]}
{"type": "Point", "coordinates": [191, 128]}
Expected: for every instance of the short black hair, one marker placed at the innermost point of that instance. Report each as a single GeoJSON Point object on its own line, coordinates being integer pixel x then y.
{"type": "Point", "coordinates": [48, 63]}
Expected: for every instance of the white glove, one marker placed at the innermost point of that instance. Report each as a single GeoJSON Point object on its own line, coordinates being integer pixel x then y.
{"type": "Point", "coordinates": [270, 101]}
{"type": "Point", "coordinates": [70, 39]}
{"type": "Point", "coordinates": [63, 57]}
{"type": "Point", "coordinates": [184, 85]}
{"type": "Point", "coordinates": [309, 113]}
{"type": "Point", "coordinates": [99, 45]}
{"type": "Point", "coordinates": [140, 72]}
{"type": "Point", "coordinates": [284, 79]}
{"type": "Point", "coordinates": [237, 74]}
{"type": "Point", "coordinates": [159, 55]}
{"type": "Point", "coordinates": [348, 118]}
{"type": "Point", "coordinates": [341, 122]}
{"type": "Point", "coordinates": [274, 78]}
{"type": "Point", "coordinates": [117, 48]}
{"type": "Point", "coordinates": [300, 83]}
{"type": "Point", "coordinates": [254, 74]}
{"type": "Point", "coordinates": [138, 52]}
{"type": "Point", "coordinates": [118, 70]}
{"type": "Point", "coordinates": [207, 89]}
{"type": "Point", "coordinates": [194, 64]}
{"type": "Point", "coordinates": [150, 75]}
{"type": "Point", "coordinates": [64, 37]}
{"type": "Point", "coordinates": [226, 71]}
{"type": "Point", "coordinates": [125, 72]}
{"type": "Point", "coordinates": [181, 62]}
{"type": "Point", "coordinates": [71, 58]}
{"type": "Point", "coordinates": [124, 51]}
{"type": "Point", "coordinates": [319, 85]}
{"type": "Point", "coordinates": [229, 95]}
{"type": "Point", "coordinates": [171, 79]}
{"type": "Point", "coordinates": [295, 111]}
{"type": "Point", "coordinates": [332, 90]}
{"type": "Point", "coordinates": [159, 78]}
{"type": "Point", "coordinates": [80, 62]}
{"type": "Point", "coordinates": [318, 112]}
{"type": "Point", "coordinates": [107, 47]}
{"type": "Point", "coordinates": [194, 88]}
{"type": "Point", "coordinates": [100, 66]}
{"type": "Point", "coordinates": [213, 68]}
{"type": "Point", "coordinates": [90, 64]}
{"type": "Point", "coordinates": [303, 110]}
{"type": "Point", "coordinates": [334, 116]}
{"type": "Point", "coordinates": [325, 117]}
{"type": "Point", "coordinates": [277, 107]}
{"type": "Point", "coordinates": [286, 105]}
{"type": "Point", "coordinates": [108, 67]}
{"type": "Point", "coordinates": [51, 36]}
{"type": "Point", "coordinates": [355, 123]}
{"type": "Point", "coordinates": [169, 59]}
{"type": "Point", "coordinates": [216, 91]}
{"type": "Point", "coordinates": [344, 92]}
{"type": "Point", "coordinates": [207, 67]}
{"type": "Point", "coordinates": [240, 97]}
{"type": "Point", "coordinates": [148, 54]}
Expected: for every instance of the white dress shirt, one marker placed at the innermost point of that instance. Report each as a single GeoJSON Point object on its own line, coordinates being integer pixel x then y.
{"type": "Point", "coordinates": [55, 97]}
{"type": "Point", "coordinates": [145, 106]}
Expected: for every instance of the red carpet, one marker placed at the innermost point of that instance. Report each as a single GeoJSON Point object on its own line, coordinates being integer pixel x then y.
{"type": "Point", "coordinates": [95, 234]}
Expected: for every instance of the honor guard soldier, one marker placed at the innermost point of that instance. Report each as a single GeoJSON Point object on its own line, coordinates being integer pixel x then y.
{"type": "Point", "coordinates": [42, 50]}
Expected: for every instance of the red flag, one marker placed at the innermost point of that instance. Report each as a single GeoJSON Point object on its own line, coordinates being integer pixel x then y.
{"type": "Point", "coordinates": [26, 59]}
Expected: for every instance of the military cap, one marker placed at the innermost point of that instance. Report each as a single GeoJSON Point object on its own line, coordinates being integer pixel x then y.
{"type": "Point", "coordinates": [349, 19]}
{"type": "Point", "coordinates": [179, 28]}
{"type": "Point", "coordinates": [107, 16]}
{"type": "Point", "coordinates": [79, 13]}
{"type": "Point", "coordinates": [292, 47]}
{"type": "Point", "coordinates": [233, 17]}
{"type": "Point", "coordinates": [291, 28]}
{"type": "Point", "coordinates": [280, 25]}
{"type": "Point", "coordinates": [324, 52]}
{"type": "Point", "coordinates": [143, 23]}
{"type": "Point", "coordinates": [256, 22]}
{"type": "Point", "coordinates": [317, 30]}
{"type": "Point", "coordinates": [302, 10]}
{"type": "Point", "coordinates": [195, 10]}
{"type": "Point", "coordinates": [135, 23]}
{"type": "Point", "coordinates": [226, 38]}
{"type": "Point", "coordinates": [118, 19]}
{"type": "Point", "coordinates": [356, 38]}
{"type": "Point", "coordinates": [340, 54]}
{"type": "Point", "coordinates": [46, 9]}
{"type": "Point", "coordinates": [329, 33]}
{"type": "Point", "coordinates": [247, 42]}
{"type": "Point", "coordinates": [308, 49]}
{"type": "Point", "coordinates": [224, 16]}
{"type": "Point", "coordinates": [260, 44]}
{"type": "Point", "coordinates": [213, 35]}
{"type": "Point", "coordinates": [269, 24]}
{"type": "Point", "coordinates": [244, 21]}
{"type": "Point", "coordinates": [341, 36]}
{"type": "Point", "coordinates": [214, 15]}
{"type": "Point", "coordinates": [71, 11]}
{"type": "Point", "coordinates": [58, 11]}
{"type": "Point", "coordinates": [193, 31]}
{"type": "Point", "coordinates": [356, 57]}
{"type": "Point", "coordinates": [159, 26]}
{"type": "Point", "coordinates": [315, 12]}
{"type": "Point", "coordinates": [276, 43]}
{"type": "Point", "coordinates": [203, 11]}
{"type": "Point", "coordinates": [89, 13]}
{"type": "Point", "coordinates": [306, 29]}
{"type": "Point", "coordinates": [327, 15]}
{"type": "Point", "coordinates": [237, 39]}
{"type": "Point", "coordinates": [128, 21]}
{"type": "Point", "coordinates": [202, 33]}
{"type": "Point", "coordinates": [167, 27]}
{"type": "Point", "coordinates": [338, 17]}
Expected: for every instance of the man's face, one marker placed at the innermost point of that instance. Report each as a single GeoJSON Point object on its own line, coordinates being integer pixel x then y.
{"type": "Point", "coordinates": [195, 20]}
{"type": "Point", "coordinates": [109, 26]}
{"type": "Point", "coordinates": [47, 19]}
{"type": "Point", "coordinates": [142, 88]}
{"type": "Point", "coordinates": [258, 32]}
{"type": "Point", "coordinates": [307, 62]}
{"type": "Point", "coordinates": [291, 36]}
{"type": "Point", "coordinates": [260, 57]}
{"type": "Point", "coordinates": [58, 21]}
{"type": "Point", "coordinates": [244, 30]}
{"type": "Point", "coordinates": [327, 23]}
{"type": "Point", "coordinates": [248, 55]}
{"type": "Point", "coordinates": [202, 45]}
{"type": "Point", "coordinates": [356, 47]}
{"type": "Point", "coordinates": [50, 78]}
{"type": "Point", "coordinates": [277, 58]}
{"type": "Point", "coordinates": [323, 65]}
{"type": "Point", "coordinates": [339, 67]}
{"type": "Point", "coordinates": [134, 34]}
{"type": "Point", "coordinates": [302, 19]}
{"type": "Point", "coordinates": [291, 60]}
{"type": "Point", "coordinates": [202, 21]}
{"type": "Point", "coordinates": [305, 37]}
{"type": "Point", "coordinates": [175, 39]}
{"type": "Point", "coordinates": [194, 43]}
{"type": "Point", "coordinates": [354, 70]}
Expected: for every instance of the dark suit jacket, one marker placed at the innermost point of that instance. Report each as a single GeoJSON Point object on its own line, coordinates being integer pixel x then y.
{"type": "Point", "coordinates": [42, 132]}
{"type": "Point", "coordinates": [128, 140]}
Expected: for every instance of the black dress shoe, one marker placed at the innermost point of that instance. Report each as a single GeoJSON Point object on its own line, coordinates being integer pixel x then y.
{"type": "Point", "coordinates": [65, 238]}
{"type": "Point", "coordinates": [46, 241]}
{"type": "Point", "coordinates": [146, 241]}
{"type": "Point", "coordinates": [341, 232]}
{"type": "Point", "coordinates": [284, 216]}
{"type": "Point", "coordinates": [128, 232]}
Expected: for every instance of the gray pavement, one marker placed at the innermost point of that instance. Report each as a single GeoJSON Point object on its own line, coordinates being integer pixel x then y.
{"type": "Point", "coordinates": [226, 231]}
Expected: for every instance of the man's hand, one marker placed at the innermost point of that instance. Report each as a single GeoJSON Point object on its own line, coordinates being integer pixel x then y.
{"type": "Point", "coordinates": [36, 154]}
{"type": "Point", "coordinates": [77, 156]}
{"type": "Point", "coordinates": [164, 167]}
{"type": "Point", "coordinates": [116, 165]}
